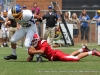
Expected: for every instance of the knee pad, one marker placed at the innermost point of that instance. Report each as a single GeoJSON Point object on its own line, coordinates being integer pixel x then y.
{"type": "Point", "coordinates": [12, 40]}
{"type": "Point", "coordinates": [4, 36]}
{"type": "Point", "coordinates": [27, 43]}
{"type": "Point", "coordinates": [8, 34]}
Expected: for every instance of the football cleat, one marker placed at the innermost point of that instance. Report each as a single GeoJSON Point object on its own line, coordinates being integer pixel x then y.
{"type": "Point", "coordinates": [30, 58]}
{"type": "Point", "coordinates": [10, 57]}
{"type": "Point", "coordinates": [39, 59]}
{"type": "Point", "coordinates": [85, 48]}
{"type": "Point", "coordinates": [95, 52]}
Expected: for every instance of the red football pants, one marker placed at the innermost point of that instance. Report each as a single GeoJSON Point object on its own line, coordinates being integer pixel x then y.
{"type": "Point", "coordinates": [60, 56]}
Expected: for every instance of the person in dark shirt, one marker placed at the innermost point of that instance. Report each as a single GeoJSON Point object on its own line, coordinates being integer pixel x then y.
{"type": "Point", "coordinates": [51, 20]}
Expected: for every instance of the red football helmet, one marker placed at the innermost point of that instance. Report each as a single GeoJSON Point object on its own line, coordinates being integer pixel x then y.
{"type": "Point", "coordinates": [35, 40]}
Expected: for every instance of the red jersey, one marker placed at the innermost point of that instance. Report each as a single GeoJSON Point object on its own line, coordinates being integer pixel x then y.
{"type": "Point", "coordinates": [43, 45]}
{"type": "Point", "coordinates": [54, 55]}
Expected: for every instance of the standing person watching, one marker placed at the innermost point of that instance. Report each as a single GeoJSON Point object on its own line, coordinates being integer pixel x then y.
{"type": "Point", "coordinates": [66, 17]}
{"type": "Point", "coordinates": [84, 21]}
{"type": "Point", "coordinates": [36, 10]}
{"type": "Point", "coordinates": [75, 22]}
{"type": "Point", "coordinates": [1, 21]}
{"type": "Point", "coordinates": [5, 30]}
{"type": "Point", "coordinates": [97, 17]}
{"type": "Point", "coordinates": [51, 20]}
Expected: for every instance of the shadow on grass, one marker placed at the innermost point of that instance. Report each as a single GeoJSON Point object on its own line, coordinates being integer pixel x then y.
{"type": "Point", "coordinates": [26, 61]}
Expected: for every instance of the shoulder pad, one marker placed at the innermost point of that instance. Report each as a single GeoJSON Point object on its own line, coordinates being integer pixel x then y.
{"type": "Point", "coordinates": [10, 14]}
{"type": "Point", "coordinates": [27, 15]}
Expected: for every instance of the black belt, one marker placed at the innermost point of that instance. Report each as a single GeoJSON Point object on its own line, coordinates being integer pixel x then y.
{"type": "Point", "coordinates": [27, 26]}
{"type": "Point", "coordinates": [49, 27]}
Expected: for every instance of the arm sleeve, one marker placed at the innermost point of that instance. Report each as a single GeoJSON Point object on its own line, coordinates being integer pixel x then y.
{"type": "Point", "coordinates": [95, 17]}
{"type": "Point", "coordinates": [43, 17]}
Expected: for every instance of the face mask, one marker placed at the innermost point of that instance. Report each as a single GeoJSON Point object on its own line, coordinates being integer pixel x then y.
{"type": "Point", "coordinates": [35, 42]}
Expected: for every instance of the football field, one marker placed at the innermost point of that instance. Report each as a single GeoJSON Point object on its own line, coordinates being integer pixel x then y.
{"type": "Point", "coordinates": [86, 66]}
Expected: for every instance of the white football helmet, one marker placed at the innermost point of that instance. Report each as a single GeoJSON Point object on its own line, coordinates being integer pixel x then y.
{"type": "Point", "coordinates": [35, 40]}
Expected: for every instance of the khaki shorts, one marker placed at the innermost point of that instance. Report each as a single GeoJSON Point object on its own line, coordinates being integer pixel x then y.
{"type": "Point", "coordinates": [12, 30]}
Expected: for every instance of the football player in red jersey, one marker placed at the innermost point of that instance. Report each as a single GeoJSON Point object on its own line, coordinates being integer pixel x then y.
{"type": "Point", "coordinates": [42, 47]}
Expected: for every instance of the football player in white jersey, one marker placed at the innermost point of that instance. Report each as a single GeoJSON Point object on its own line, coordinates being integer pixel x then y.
{"type": "Point", "coordinates": [27, 29]}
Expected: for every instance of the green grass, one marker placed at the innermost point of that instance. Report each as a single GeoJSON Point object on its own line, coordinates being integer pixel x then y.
{"type": "Point", "coordinates": [86, 66]}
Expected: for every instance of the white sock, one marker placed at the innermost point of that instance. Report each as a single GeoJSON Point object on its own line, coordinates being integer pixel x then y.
{"type": "Point", "coordinates": [90, 53]}
{"type": "Point", "coordinates": [80, 50]}
{"type": "Point", "coordinates": [13, 51]}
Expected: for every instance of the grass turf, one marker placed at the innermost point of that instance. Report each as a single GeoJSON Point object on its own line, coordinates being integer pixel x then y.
{"type": "Point", "coordinates": [89, 65]}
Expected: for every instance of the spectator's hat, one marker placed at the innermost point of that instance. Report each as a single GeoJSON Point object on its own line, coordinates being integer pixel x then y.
{"type": "Point", "coordinates": [49, 7]}
{"type": "Point", "coordinates": [24, 6]}
{"type": "Point", "coordinates": [98, 11]}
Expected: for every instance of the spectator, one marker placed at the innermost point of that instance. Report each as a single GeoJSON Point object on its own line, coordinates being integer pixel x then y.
{"type": "Point", "coordinates": [51, 20]}
{"type": "Point", "coordinates": [1, 21]}
{"type": "Point", "coordinates": [84, 20]}
{"type": "Point", "coordinates": [24, 7]}
{"type": "Point", "coordinates": [97, 17]}
{"type": "Point", "coordinates": [66, 17]}
{"type": "Point", "coordinates": [36, 10]}
{"type": "Point", "coordinates": [5, 30]}
{"type": "Point", "coordinates": [74, 21]}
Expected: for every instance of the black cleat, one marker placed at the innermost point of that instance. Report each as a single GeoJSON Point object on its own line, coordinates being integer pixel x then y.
{"type": "Point", "coordinates": [10, 57]}
{"type": "Point", "coordinates": [85, 48]}
{"type": "Point", "coordinates": [95, 52]}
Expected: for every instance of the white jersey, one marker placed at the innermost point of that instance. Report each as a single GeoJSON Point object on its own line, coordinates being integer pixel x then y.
{"type": "Point", "coordinates": [27, 18]}
{"type": "Point", "coordinates": [3, 24]}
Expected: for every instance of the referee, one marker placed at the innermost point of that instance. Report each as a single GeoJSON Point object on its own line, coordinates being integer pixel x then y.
{"type": "Point", "coordinates": [51, 20]}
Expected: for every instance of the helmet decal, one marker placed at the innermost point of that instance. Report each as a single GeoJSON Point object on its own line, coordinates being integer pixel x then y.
{"type": "Point", "coordinates": [16, 12]}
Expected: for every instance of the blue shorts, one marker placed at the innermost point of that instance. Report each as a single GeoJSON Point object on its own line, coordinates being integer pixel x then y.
{"type": "Point", "coordinates": [75, 32]}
